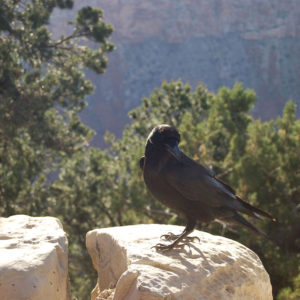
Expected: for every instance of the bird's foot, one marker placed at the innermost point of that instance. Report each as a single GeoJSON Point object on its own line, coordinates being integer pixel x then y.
{"type": "Point", "coordinates": [163, 247]}
{"type": "Point", "coordinates": [172, 237]}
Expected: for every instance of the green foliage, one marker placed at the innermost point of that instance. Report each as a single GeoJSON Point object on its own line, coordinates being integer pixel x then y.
{"type": "Point", "coordinates": [289, 293]}
{"type": "Point", "coordinates": [47, 169]}
{"type": "Point", "coordinates": [42, 90]}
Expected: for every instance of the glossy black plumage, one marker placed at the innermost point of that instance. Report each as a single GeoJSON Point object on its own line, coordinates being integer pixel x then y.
{"type": "Point", "coordinates": [189, 188]}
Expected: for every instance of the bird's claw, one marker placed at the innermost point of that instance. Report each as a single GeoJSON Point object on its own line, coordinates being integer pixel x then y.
{"type": "Point", "coordinates": [163, 247]}
{"type": "Point", "coordinates": [169, 236]}
{"type": "Point", "coordinates": [192, 239]}
{"type": "Point", "coordinates": [172, 237]}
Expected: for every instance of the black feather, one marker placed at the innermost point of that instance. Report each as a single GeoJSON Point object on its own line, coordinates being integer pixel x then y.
{"type": "Point", "coordinates": [188, 187]}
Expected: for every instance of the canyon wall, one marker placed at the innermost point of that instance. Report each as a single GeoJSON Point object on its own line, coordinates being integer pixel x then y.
{"type": "Point", "coordinates": [214, 42]}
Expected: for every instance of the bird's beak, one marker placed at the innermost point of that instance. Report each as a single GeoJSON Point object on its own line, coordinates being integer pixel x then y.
{"type": "Point", "coordinates": [173, 151]}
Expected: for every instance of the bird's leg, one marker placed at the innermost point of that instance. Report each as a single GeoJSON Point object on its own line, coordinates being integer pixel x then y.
{"type": "Point", "coordinates": [187, 230]}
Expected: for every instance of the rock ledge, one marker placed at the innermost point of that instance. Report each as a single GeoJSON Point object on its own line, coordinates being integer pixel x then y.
{"type": "Point", "coordinates": [216, 268]}
{"type": "Point", "coordinates": [33, 259]}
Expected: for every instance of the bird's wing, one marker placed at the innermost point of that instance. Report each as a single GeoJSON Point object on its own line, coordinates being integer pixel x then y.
{"type": "Point", "coordinates": [141, 162]}
{"type": "Point", "coordinates": [196, 183]}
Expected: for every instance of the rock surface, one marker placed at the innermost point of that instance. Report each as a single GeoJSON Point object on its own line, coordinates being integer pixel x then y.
{"type": "Point", "coordinates": [217, 42]}
{"type": "Point", "coordinates": [33, 259]}
{"type": "Point", "coordinates": [215, 268]}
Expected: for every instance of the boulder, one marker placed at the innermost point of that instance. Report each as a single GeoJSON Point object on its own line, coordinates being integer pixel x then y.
{"type": "Point", "coordinates": [33, 259]}
{"type": "Point", "coordinates": [213, 268]}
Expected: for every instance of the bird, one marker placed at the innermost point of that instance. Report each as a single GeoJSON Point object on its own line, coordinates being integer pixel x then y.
{"type": "Point", "coordinates": [190, 189]}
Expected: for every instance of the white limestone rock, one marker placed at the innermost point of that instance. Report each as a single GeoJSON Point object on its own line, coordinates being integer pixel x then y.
{"type": "Point", "coordinates": [215, 268]}
{"type": "Point", "coordinates": [33, 259]}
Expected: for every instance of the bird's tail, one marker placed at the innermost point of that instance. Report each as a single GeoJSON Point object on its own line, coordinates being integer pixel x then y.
{"type": "Point", "coordinates": [238, 219]}
{"type": "Point", "coordinates": [253, 211]}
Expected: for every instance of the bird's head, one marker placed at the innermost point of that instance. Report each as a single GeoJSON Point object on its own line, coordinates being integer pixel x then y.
{"type": "Point", "coordinates": [165, 137]}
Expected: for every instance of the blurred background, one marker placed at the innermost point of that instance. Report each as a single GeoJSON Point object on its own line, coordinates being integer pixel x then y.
{"type": "Point", "coordinates": [214, 42]}
{"type": "Point", "coordinates": [82, 83]}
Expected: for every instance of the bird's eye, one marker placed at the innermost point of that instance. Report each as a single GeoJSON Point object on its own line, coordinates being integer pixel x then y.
{"type": "Point", "coordinates": [171, 141]}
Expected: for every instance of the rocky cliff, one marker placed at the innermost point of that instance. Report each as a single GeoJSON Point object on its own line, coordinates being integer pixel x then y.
{"type": "Point", "coordinates": [216, 42]}
{"type": "Point", "coordinates": [214, 268]}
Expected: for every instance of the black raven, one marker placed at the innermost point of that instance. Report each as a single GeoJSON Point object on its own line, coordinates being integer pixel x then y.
{"type": "Point", "coordinates": [189, 188]}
